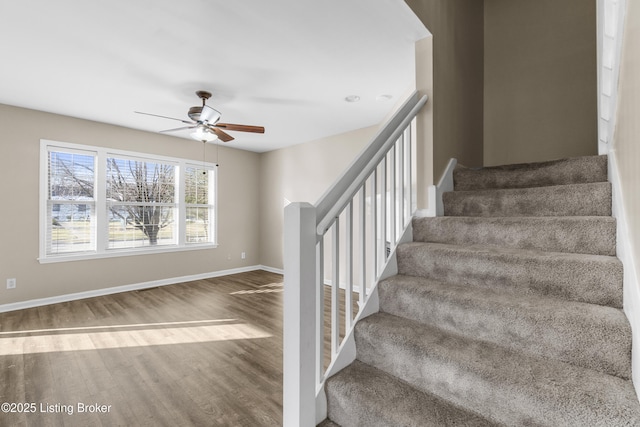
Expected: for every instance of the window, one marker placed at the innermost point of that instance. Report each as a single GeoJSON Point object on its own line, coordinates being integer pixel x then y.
{"type": "Point", "coordinates": [141, 203]}
{"type": "Point", "coordinates": [70, 209]}
{"type": "Point", "coordinates": [97, 202]}
{"type": "Point", "coordinates": [198, 203]}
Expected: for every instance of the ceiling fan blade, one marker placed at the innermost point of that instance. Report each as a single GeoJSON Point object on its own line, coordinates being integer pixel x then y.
{"type": "Point", "coordinates": [209, 115]}
{"type": "Point", "coordinates": [184, 127]}
{"type": "Point", "coordinates": [224, 137]}
{"type": "Point", "coordinates": [240, 128]}
{"type": "Point", "coordinates": [165, 117]}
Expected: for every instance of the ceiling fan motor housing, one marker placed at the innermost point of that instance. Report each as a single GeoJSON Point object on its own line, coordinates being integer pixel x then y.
{"type": "Point", "coordinates": [194, 113]}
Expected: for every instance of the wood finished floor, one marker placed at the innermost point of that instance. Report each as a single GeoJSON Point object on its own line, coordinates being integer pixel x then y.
{"type": "Point", "coordinates": [203, 353]}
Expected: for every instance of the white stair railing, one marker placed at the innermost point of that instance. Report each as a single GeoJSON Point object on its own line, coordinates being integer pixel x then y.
{"type": "Point", "coordinates": [348, 236]}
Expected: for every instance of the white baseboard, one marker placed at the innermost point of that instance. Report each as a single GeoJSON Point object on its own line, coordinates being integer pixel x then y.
{"type": "Point", "coordinates": [625, 253]}
{"type": "Point", "coordinates": [270, 269]}
{"type": "Point", "coordinates": [126, 288]}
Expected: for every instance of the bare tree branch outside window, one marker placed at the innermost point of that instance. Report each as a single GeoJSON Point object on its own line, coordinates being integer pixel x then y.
{"type": "Point", "coordinates": [97, 201]}
{"type": "Point", "coordinates": [142, 194]}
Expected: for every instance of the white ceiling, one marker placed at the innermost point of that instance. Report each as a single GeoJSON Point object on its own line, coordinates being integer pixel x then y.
{"type": "Point", "coordinates": [286, 65]}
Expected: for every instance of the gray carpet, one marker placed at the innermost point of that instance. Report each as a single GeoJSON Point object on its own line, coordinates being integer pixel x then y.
{"type": "Point", "coordinates": [576, 170]}
{"type": "Point", "coordinates": [507, 311]}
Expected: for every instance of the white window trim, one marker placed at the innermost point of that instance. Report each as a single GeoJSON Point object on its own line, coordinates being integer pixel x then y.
{"type": "Point", "coordinates": [101, 204]}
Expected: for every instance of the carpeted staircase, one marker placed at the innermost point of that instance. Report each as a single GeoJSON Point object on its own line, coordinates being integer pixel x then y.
{"type": "Point", "coordinates": [506, 311]}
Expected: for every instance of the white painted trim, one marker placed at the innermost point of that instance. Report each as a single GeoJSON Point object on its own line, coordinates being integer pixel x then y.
{"type": "Point", "coordinates": [125, 288]}
{"type": "Point", "coordinates": [299, 324]}
{"type": "Point", "coordinates": [434, 192]}
{"type": "Point", "coordinates": [610, 30]}
{"type": "Point", "coordinates": [423, 213]}
{"type": "Point", "coordinates": [321, 405]}
{"type": "Point", "coordinates": [444, 185]}
{"type": "Point", "coordinates": [432, 204]}
{"type": "Point", "coordinates": [100, 248]}
{"type": "Point", "coordinates": [116, 253]}
{"type": "Point", "coordinates": [271, 269]}
{"type": "Point", "coordinates": [625, 252]}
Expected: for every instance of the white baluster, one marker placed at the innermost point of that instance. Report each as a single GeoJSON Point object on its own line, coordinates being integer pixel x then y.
{"type": "Point", "coordinates": [320, 311]}
{"type": "Point", "coordinates": [383, 214]}
{"type": "Point", "coordinates": [374, 225]}
{"type": "Point", "coordinates": [392, 195]}
{"type": "Point", "coordinates": [348, 300]}
{"type": "Point", "coordinates": [335, 288]}
{"type": "Point", "coordinates": [363, 244]}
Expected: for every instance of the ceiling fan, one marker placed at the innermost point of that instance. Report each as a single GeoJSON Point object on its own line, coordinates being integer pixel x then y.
{"type": "Point", "coordinates": [204, 122]}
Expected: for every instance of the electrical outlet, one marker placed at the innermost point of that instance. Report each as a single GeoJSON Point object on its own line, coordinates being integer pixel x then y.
{"type": "Point", "coordinates": [11, 283]}
{"type": "Point", "coordinates": [243, 255]}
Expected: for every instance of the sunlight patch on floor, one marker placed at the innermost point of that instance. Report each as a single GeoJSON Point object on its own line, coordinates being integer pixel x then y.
{"type": "Point", "coordinates": [273, 288]}
{"type": "Point", "coordinates": [123, 336]}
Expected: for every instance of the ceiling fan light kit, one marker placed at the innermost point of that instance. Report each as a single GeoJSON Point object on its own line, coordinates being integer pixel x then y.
{"type": "Point", "coordinates": [204, 120]}
{"type": "Point", "coordinates": [203, 134]}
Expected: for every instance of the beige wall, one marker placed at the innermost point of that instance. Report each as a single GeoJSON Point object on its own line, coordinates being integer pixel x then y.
{"type": "Point", "coordinates": [22, 129]}
{"type": "Point", "coordinates": [424, 123]}
{"type": "Point", "coordinates": [457, 28]}
{"type": "Point", "coordinates": [301, 173]}
{"type": "Point", "coordinates": [539, 80]}
{"type": "Point", "coordinates": [626, 139]}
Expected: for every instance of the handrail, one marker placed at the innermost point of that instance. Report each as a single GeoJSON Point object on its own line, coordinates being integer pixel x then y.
{"type": "Point", "coordinates": [343, 190]}
{"type": "Point", "coordinates": [367, 212]}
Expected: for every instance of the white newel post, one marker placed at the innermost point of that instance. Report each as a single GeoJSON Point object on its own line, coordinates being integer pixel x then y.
{"type": "Point", "coordinates": [299, 352]}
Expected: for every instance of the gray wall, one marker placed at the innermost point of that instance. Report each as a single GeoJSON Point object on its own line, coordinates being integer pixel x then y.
{"type": "Point", "coordinates": [540, 90]}
{"type": "Point", "coordinates": [457, 28]}
{"type": "Point", "coordinates": [513, 80]}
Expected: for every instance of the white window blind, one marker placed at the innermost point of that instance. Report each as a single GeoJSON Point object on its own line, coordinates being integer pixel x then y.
{"type": "Point", "coordinates": [199, 205]}
{"type": "Point", "coordinates": [70, 205]}
{"type": "Point", "coordinates": [97, 202]}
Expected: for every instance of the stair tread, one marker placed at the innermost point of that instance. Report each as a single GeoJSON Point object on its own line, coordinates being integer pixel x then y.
{"type": "Point", "coordinates": [362, 395]}
{"type": "Point", "coordinates": [578, 277]}
{"type": "Point", "coordinates": [554, 172]}
{"type": "Point", "coordinates": [328, 423]}
{"type": "Point", "coordinates": [520, 252]}
{"type": "Point", "coordinates": [592, 336]}
{"type": "Point", "coordinates": [575, 234]}
{"type": "Point", "coordinates": [589, 199]}
{"type": "Point", "coordinates": [502, 385]}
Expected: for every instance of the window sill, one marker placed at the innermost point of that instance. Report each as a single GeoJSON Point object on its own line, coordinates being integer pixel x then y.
{"type": "Point", "coordinates": [124, 253]}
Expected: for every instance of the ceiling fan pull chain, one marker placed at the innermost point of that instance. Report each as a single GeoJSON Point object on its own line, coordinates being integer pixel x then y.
{"type": "Point", "coordinates": [204, 153]}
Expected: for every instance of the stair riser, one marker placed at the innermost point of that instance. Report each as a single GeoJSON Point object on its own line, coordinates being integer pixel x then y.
{"type": "Point", "coordinates": [560, 172]}
{"type": "Point", "coordinates": [571, 333]}
{"type": "Point", "coordinates": [354, 399]}
{"type": "Point", "coordinates": [495, 383]}
{"type": "Point", "coordinates": [584, 278]}
{"type": "Point", "coordinates": [587, 235]}
{"type": "Point", "coordinates": [566, 200]}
